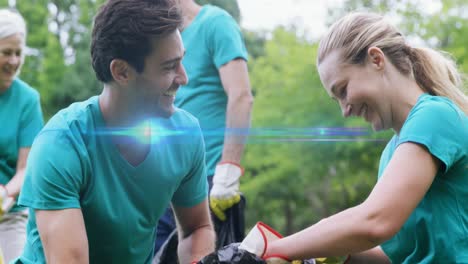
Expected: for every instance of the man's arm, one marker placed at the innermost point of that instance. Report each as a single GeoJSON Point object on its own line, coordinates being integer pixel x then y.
{"type": "Point", "coordinates": [196, 232]}
{"type": "Point", "coordinates": [235, 79]}
{"type": "Point", "coordinates": [63, 236]}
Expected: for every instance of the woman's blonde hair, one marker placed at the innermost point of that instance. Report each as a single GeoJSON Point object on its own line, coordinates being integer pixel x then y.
{"type": "Point", "coordinates": [434, 71]}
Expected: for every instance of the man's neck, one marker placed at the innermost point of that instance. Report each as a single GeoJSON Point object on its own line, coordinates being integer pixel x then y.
{"type": "Point", "coordinates": [118, 112]}
{"type": "Point", "coordinates": [190, 10]}
{"type": "Point", "coordinates": [115, 107]}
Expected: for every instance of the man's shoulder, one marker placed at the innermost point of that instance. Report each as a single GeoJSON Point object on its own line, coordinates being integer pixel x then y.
{"type": "Point", "coordinates": [78, 117]}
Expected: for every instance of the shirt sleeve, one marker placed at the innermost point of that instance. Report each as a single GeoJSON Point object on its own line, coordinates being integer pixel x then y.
{"type": "Point", "coordinates": [437, 126]}
{"type": "Point", "coordinates": [53, 174]}
{"type": "Point", "coordinates": [194, 187]}
{"type": "Point", "coordinates": [31, 122]}
{"type": "Point", "coordinates": [226, 40]}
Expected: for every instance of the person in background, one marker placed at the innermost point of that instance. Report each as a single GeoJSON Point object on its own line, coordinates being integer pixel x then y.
{"type": "Point", "coordinates": [1, 257]}
{"type": "Point", "coordinates": [218, 93]}
{"type": "Point", "coordinates": [103, 171]}
{"type": "Point", "coordinates": [20, 121]}
{"type": "Point", "coordinates": [417, 212]}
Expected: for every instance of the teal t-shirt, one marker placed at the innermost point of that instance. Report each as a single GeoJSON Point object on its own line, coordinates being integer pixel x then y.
{"type": "Point", "coordinates": [211, 40]}
{"type": "Point", "coordinates": [20, 121]}
{"type": "Point", "coordinates": [74, 164]}
{"type": "Point", "coordinates": [437, 230]}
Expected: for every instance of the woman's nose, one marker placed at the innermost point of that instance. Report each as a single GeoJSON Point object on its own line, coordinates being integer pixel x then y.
{"type": "Point", "coordinates": [346, 110]}
{"type": "Point", "coordinates": [14, 60]}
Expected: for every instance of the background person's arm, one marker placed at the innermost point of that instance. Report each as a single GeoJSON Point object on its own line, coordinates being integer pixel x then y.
{"type": "Point", "coordinates": [196, 232]}
{"type": "Point", "coordinates": [14, 185]}
{"type": "Point", "coordinates": [235, 79]}
{"type": "Point", "coordinates": [63, 236]}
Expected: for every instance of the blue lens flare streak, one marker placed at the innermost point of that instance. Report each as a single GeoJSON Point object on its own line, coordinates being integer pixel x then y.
{"type": "Point", "coordinates": [159, 133]}
{"type": "Point", "coordinates": [163, 132]}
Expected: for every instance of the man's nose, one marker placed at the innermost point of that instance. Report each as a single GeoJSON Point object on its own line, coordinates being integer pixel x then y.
{"type": "Point", "coordinates": [181, 78]}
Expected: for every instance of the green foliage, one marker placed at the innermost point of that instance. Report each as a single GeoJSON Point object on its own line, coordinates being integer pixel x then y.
{"type": "Point", "coordinates": [59, 64]}
{"type": "Point", "coordinates": [255, 43]}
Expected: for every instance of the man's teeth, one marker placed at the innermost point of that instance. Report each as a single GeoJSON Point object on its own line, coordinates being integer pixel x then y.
{"type": "Point", "coordinates": [170, 93]}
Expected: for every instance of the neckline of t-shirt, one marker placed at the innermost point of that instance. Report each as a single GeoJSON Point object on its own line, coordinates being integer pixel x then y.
{"type": "Point", "coordinates": [115, 153]}
{"type": "Point", "coordinates": [418, 102]}
{"type": "Point", "coordinates": [9, 90]}
{"type": "Point", "coordinates": [196, 19]}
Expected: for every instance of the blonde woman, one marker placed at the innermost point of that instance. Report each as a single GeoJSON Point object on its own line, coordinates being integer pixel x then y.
{"type": "Point", "coordinates": [418, 210]}
{"type": "Point", "coordinates": [20, 119]}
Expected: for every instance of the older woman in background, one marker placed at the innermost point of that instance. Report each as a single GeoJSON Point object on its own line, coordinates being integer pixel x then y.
{"type": "Point", "coordinates": [20, 121]}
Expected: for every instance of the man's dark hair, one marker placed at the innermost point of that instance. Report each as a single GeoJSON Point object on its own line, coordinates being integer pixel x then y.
{"type": "Point", "coordinates": [125, 29]}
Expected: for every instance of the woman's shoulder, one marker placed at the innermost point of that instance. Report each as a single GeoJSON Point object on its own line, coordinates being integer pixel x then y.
{"type": "Point", "coordinates": [25, 90]}
{"type": "Point", "coordinates": [437, 109]}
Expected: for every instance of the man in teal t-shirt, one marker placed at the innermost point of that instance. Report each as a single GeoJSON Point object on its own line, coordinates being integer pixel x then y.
{"type": "Point", "coordinates": [436, 231]}
{"type": "Point", "coordinates": [102, 171]}
{"type": "Point", "coordinates": [218, 94]}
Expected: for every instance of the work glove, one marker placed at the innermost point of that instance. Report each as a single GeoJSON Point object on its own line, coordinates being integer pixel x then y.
{"type": "Point", "coordinates": [256, 242]}
{"type": "Point", "coordinates": [6, 201]}
{"type": "Point", "coordinates": [225, 191]}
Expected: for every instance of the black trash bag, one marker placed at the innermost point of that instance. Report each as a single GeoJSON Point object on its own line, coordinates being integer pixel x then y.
{"type": "Point", "coordinates": [231, 230]}
{"type": "Point", "coordinates": [227, 232]}
{"type": "Point", "coordinates": [167, 254]}
{"type": "Point", "coordinates": [231, 254]}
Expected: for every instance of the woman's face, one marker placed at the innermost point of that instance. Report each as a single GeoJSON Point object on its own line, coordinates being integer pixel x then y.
{"type": "Point", "coordinates": [359, 89]}
{"type": "Point", "coordinates": [11, 49]}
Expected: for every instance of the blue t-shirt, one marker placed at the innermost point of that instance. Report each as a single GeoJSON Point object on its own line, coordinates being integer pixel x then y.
{"type": "Point", "coordinates": [437, 230]}
{"type": "Point", "coordinates": [211, 40]}
{"type": "Point", "coordinates": [20, 121]}
{"type": "Point", "coordinates": [74, 164]}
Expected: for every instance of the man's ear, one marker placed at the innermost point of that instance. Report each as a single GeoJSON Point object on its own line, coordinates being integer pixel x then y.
{"type": "Point", "coordinates": [376, 57]}
{"type": "Point", "coordinates": [121, 71]}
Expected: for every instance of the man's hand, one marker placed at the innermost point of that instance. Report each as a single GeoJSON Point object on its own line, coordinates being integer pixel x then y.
{"type": "Point", "coordinates": [225, 191]}
{"type": "Point", "coordinates": [6, 201]}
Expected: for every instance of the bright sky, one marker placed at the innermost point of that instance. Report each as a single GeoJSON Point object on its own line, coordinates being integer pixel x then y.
{"type": "Point", "coordinates": [308, 15]}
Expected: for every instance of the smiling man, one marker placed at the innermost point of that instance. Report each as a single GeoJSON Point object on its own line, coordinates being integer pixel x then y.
{"type": "Point", "coordinates": [96, 189]}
